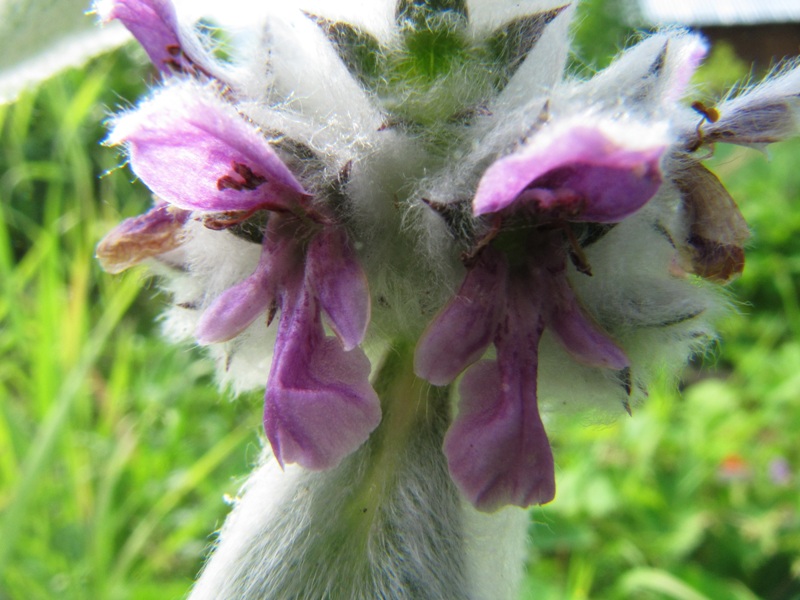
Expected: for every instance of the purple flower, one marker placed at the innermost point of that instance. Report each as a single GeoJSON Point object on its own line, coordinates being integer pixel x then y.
{"type": "Point", "coordinates": [780, 471]}
{"type": "Point", "coordinates": [196, 153]}
{"type": "Point", "coordinates": [154, 24]}
{"type": "Point", "coordinates": [516, 287]}
{"type": "Point", "coordinates": [319, 403]}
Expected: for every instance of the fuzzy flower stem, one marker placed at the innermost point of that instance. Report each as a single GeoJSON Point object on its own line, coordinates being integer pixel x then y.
{"type": "Point", "coordinates": [387, 523]}
{"type": "Point", "coordinates": [406, 403]}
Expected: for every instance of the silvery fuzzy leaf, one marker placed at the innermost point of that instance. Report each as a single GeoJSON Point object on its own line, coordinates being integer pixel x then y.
{"type": "Point", "coordinates": [358, 49]}
{"type": "Point", "coordinates": [44, 37]}
{"type": "Point", "coordinates": [768, 113]}
{"type": "Point", "coordinates": [511, 43]}
{"type": "Point", "coordinates": [651, 74]}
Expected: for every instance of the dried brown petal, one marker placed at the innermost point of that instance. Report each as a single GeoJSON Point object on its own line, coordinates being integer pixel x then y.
{"type": "Point", "coordinates": [136, 239]}
{"type": "Point", "coordinates": [717, 229]}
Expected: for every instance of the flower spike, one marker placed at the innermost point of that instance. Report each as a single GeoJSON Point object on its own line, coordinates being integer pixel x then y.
{"type": "Point", "coordinates": [326, 186]}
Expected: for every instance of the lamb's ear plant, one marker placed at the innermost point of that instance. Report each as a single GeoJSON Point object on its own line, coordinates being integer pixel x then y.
{"type": "Point", "coordinates": [420, 236]}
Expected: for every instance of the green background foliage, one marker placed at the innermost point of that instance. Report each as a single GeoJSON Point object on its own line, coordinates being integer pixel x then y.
{"type": "Point", "coordinates": [116, 449]}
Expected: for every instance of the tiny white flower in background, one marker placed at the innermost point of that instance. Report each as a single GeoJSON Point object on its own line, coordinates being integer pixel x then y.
{"type": "Point", "coordinates": [417, 187]}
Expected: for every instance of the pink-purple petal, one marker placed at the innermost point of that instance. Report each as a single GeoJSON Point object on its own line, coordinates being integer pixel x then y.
{"type": "Point", "coordinates": [154, 24]}
{"type": "Point", "coordinates": [464, 328]}
{"type": "Point", "coordinates": [236, 308]}
{"type": "Point", "coordinates": [319, 404]}
{"type": "Point", "coordinates": [497, 448]}
{"type": "Point", "coordinates": [172, 48]}
{"type": "Point", "coordinates": [576, 331]}
{"type": "Point", "coordinates": [340, 284]}
{"type": "Point", "coordinates": [196, 152]}
{"type": "Point", "coordinates": [580, 175]}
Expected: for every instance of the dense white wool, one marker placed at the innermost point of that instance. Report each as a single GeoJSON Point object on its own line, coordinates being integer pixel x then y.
{"type": "Point", "coordinates": [268, 488]}
{"type": "Point", "coordinates": [488, 15]}
{"type": "Point", "coordinates": [308, 80]}
{"type": "Point", "coordinates": [631, 295]}
{"type": "Point", "coordinates": [203, 251]}
{"type": "Point", "coordinates": [410, 274]}
{"type": "Point", "coordinates": [494, 568]}
{"type": "Point", "coordinates": [648, 77]}
{"type": "Point", "coordinates": [375, 16]}
{"type": "Point", "coordinates": [541, 70]}
{"type": "Point", "coordinates": [659, 318]}
{"type": "Point", "coordinates": [235, 16]}
{"type": "Point", "coordinates": [354, 533]}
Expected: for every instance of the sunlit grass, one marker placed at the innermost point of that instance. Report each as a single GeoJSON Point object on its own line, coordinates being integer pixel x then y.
{"type": "Point", "coordinates": [115, 448]}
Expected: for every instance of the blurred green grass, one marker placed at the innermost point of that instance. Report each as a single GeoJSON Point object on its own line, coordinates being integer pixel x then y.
{"type": "Point", "coordinates": [116, 448]}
